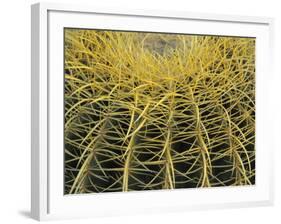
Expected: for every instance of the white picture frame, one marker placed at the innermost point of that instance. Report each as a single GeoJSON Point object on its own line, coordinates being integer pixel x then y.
{"type": "Point", "coordinates": [47, 198]}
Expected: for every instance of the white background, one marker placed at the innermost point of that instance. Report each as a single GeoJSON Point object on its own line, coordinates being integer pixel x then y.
{"type": "Point", "coordinates": [15, 110]}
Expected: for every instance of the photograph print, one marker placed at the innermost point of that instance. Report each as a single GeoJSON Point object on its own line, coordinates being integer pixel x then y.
{"type": "Point", "coordinates": [150, 111]}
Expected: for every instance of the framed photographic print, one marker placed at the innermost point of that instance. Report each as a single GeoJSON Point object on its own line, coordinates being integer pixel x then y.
{"type": "Point", "coordinates": [152, 111]}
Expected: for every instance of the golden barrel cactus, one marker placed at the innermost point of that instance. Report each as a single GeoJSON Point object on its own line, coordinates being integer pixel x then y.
{"type": "Point", "coordinates": [147, 111]}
